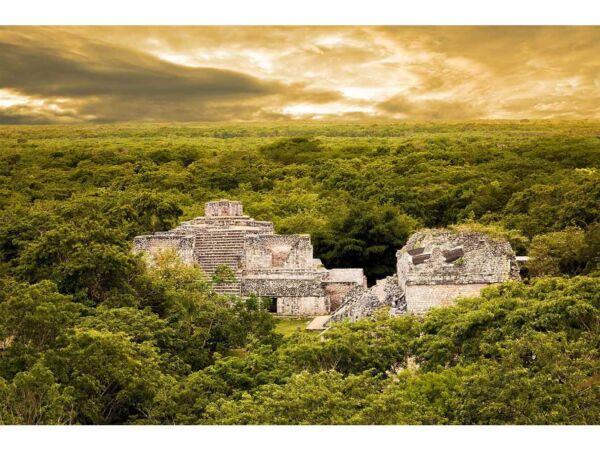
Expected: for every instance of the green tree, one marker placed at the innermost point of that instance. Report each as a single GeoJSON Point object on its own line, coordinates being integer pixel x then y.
{"type": "Point", "coordinates": [324, 398]}
{"type": "Point", "coordinates": [223, 275]}
{"type": "Point", "coordinates": [112, 377]}
{"type": "Point", "coordinates": [86, 259]}
{"type": "Point", "coordinates": [539, 378]}
{"type": "Point", "coordinates": [33, 397]}
{"type": "Point", "coordinates": [560, 252]}
{"type": "Point", "coordinates": [36, 315]}
{"type": "Point", "coordinates": [379, 345]}
{"type": "Point", "coordinates": [368, 235]}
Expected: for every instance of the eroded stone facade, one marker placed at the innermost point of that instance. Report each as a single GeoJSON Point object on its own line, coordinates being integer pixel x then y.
{"type": "Point", "coordinates": [362, 302]}
{"type": "Point", "coordinates": [436, 266]}
{"type": "Point", "coordinates": [433, 269]}
{"type": "Point", "coordinates": [281, 267]}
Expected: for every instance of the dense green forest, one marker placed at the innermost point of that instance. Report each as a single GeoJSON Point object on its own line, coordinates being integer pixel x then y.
{"type": "Point", "coordinates": [90, 335]}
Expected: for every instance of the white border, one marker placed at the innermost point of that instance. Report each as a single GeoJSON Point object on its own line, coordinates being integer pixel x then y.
{"type": "Point", "coordinates": [305, 12]}
{"type": "Point", "coordinates": [300, 12]}
{"type": "Point", "coordinates": [301, 438]}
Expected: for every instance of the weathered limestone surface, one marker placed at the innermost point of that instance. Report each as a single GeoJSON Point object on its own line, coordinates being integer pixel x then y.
{"type": "Point", "coordinates": [338, 282]}
{"type": "Point", "coordinates": [278, 251]}
{"type": "Point", "coordinates": [436, 266]}
{"type": "Point", "coordinates": [266, 264]}
{"type": "Point", "coordinates": [425, 296]}
{"type": "Point", "coordinates": [183, 245]}
{"type": "Point", "coordinates": [276, 285]}
{"type": "Point", "coordinates": [362, 302]}
{"type": "Point", "coordinates": [302, 306]}
{"type": "Point", "coordinates": [223, 208]}
{"type": "Point", "coordinates": [433, 268]}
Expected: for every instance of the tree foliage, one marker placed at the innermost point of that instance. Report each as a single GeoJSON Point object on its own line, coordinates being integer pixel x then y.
{"type": "Point", "coordinates": [90, 334]}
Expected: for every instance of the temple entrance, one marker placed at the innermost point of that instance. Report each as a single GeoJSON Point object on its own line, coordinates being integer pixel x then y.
{"type": "Point", "coordinates": [272, 301]}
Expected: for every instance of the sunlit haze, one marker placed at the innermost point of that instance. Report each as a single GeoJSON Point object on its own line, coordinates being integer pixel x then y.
{"type": "Point", "coordinates": [162, 74]}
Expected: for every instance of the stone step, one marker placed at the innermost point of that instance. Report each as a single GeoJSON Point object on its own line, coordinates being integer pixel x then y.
{"type": "Point", "coordinates": [319, 323]}
{"type": "Point", "coordinates": [229, 289]}
{"type": "Point", "coordinates": [214, 237]}
{"type": "Point", "coordinates": [216, 251]}
{"type": "Point", "coordinates": [219, 242]}
{"type": "Point", "coordinates": [219, 246]}
{"type": "Point", "coordinates": [202, 238]}
{"type": "Point", "coordinates": [235, 252]}
{"type": "Point", "coordinates": [209, 258]}
{"type": "Point", "coordinates": [213, 263]}
{"type": "Point", "coordinates": [212, 269]}
{"type": "Point", "coordinates": [215, 243]}
{"type": "Point", "coordinates": [217, 261]}
{"type": "Point", "coordinates": [216, 254]}
{"type": "Point", "coordinates": [200, 248]}
{"type": "Point", "coordinates": [209, 241]}
{"type": "Point", "coordinates": [215, 248]}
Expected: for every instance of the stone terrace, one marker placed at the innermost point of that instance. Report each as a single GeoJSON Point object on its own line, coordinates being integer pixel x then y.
{"type": "Point", "coordinates": [281, 267]}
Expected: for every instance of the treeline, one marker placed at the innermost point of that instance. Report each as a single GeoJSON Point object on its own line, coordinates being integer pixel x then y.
{"type": "Point", "coordinates": [358, 189]}
{"type": "Point", "coordinates": [88, 334]}
{"type": "Point", "coordinates": [520, 355]}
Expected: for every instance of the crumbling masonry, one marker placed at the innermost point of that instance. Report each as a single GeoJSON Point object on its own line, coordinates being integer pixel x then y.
{"type": "Point", "coordinates": [434, 267]}
{"type": "Point", "coordinates": [437, 266]}
{"type": "Point", "coordinates": [280, 267]}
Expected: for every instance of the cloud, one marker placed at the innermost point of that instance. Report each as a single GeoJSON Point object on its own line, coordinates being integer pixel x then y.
{"type": "Point", "coordinates": [24, 115]}
{"type": "Point", "coordinates": [106, 74]}
{"type": "Point", "coordinates": [429, 109]}
{"type": "Point", "coordinates": [108, 83]}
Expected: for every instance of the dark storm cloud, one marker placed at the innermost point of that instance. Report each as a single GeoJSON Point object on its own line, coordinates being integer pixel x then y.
{"type": "Point", "coordinates": [107, 82]}
{"type": "Point", "coordinates": [78, 74]}
{"type": "Point", "coordinates": [23, 116]}
{"type": "Point", "coordinates": [100, 71]}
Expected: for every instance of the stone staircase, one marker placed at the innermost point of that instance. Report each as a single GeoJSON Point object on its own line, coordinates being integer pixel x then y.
{"type": "Point", "coordinates": [221, 247]}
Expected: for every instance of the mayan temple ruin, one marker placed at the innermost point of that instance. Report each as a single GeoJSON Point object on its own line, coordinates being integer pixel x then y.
{"type": "Point", "coordinates": [437, 266]}
{"type": "Point", "coordinates": [434, 267]}
{"type": "Point", "coordinates": [279, 267]}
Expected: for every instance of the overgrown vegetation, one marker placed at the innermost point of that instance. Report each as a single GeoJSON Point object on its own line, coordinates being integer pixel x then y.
{"type": "Point", "coordinates": [88, 334]}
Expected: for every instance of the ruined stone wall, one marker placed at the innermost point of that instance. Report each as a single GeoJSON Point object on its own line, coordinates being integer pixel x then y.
{"type": "Point", "coordinates": [338, 282]}
{"type": "Point", "coordinates": [278, 251]}
{"type": "Point", "coordinates": [223, 208]}
{"type": "Point", "coordinates": [336, 293]}
{"type": "Point", "coordinates": [446, 257]}
{"type": "Point", "coordinates": [420, 298]}
{"type": "Point", "coordinates": [154, 244]}
{"type": "Point", "coordinates": [256, 226]}
{"type": "Point", "coordinates": [265, 264]}
{"type": "Point", "coordinates": [436, 266]}
{"type": "Point", "coordinates": [288, 284]}
{"type": "Point", "coordinates": [362, 302]}
{"type": "Point", "coordinates": [302, 306]}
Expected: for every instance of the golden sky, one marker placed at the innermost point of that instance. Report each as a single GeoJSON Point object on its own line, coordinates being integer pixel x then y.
{"type": "Point", "coordinates": [221, 73]}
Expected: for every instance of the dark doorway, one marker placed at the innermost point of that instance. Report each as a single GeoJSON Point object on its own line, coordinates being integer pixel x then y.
{"type": "Point", "coordinates": [272, 305]}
